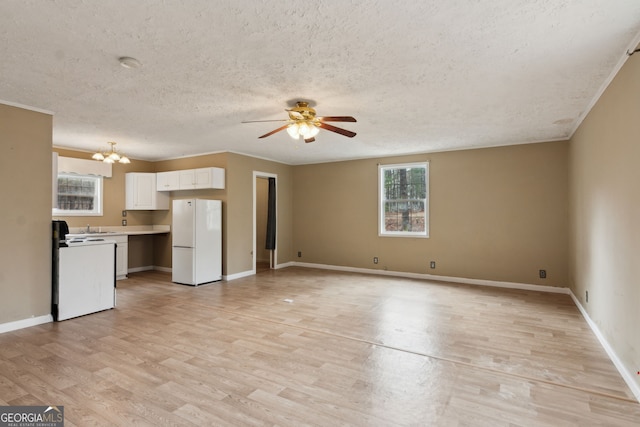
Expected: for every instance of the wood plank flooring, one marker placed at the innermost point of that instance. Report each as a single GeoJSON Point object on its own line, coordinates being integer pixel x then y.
{"type": "Point", "coordinates": [297, 347]}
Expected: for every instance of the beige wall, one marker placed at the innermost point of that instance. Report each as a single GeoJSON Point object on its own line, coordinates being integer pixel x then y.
{"type": "Point", "coordinates": [25, 214]}
{"type": "Point", "coordinates": [240, 217]}
{"type": "Point", "coordinates": [162, 244]}
{"type": "Point", "coordinates": [113, 195]}
{"type": "Point", "coordinates": [142, 250]}
{"type": "Point", "coordinates": [605, 215]}
{"type": "Point", "coordinates": [496, 214]}
{"type": "Point", "coordinates": [237, 211]}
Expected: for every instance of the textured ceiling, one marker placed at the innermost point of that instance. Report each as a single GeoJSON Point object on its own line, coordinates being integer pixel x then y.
{"type": "Point", "coordinates": [420, 76]}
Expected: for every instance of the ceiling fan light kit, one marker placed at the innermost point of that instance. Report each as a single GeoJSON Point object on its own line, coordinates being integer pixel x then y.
{"type": "Point", "coordinates": [306, 130]}
{"type": "Point", "coordinates": [303, 123]}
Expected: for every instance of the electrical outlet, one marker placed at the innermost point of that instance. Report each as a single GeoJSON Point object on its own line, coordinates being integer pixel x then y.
{"type": "Point", "coordinates": [543, 274]}
{"type": "Point", "coordinates": [124, 222]}
{"type": "Point", "coordinates": [375, 259]}
{"type": "Point", "coordinates": [432, 264]}
{"type": "Point", "coordinates": [299, 254]}
{"type": "Point", "coordinates": [586, 296]}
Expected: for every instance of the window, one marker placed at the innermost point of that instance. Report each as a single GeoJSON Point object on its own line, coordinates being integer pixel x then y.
{"type": "Point", "coordinates": [79, 195]}
{"type": "Point", "coordinates": [404, 200]}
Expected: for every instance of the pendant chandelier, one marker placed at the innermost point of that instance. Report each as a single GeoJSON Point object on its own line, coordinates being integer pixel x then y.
{"type": "Point", "coordinates": [111, 156]}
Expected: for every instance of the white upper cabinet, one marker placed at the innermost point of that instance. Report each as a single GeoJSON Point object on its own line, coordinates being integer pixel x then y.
{"type": "Point", "coordinates": [168, 181]}
{"type": "Point", "coordinates": [202, 178]}
{"type": "Point", "coordinates": [210, 178]}
{"type": "Point", "coordinates": [187, 179]}
{"type": "Point", "coordinates": [142, 194]}
{"type": "Point", "coordinates": [191, 179]}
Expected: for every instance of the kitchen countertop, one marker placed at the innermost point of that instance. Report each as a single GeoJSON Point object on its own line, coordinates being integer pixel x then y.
{"type": "Point", "coordinates": [134, 230]}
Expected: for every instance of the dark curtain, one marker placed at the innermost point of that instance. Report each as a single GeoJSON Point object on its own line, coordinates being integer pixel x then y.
{"type": "Point", "coordinates": [271, 216]}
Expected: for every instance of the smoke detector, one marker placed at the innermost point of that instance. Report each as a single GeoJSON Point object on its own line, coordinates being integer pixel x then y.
{"type": "Point", "coordinates": [128, 62]}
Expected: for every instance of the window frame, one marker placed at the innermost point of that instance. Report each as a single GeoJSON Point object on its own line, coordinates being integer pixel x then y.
{"type": "Point", "coordinates": [97, 197]}
{"type": "Point", "coordinates": [381, 201]}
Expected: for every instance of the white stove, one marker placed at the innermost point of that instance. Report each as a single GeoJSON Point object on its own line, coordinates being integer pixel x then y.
{"type": "Point", "coordinates": [86, 277]}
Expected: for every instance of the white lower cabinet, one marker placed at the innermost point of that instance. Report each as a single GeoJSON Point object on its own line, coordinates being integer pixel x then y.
{"type": "Point", "coordinates": [122, 255]}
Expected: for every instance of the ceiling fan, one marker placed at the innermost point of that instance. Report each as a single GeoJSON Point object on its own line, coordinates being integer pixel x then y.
{"type": "Point", "coordinates": [303, 123]}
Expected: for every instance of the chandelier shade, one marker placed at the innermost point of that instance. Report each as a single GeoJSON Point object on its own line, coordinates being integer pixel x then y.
{"type": "Point", "coordinates": [111, 156]}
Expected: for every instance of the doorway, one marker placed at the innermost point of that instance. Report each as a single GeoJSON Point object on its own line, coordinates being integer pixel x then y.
{"type": "Point", "coordinates": [263, 259]}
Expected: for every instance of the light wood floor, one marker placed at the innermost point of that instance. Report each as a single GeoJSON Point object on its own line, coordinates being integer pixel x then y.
{"type": "Point", "coordinates": [299, 346]}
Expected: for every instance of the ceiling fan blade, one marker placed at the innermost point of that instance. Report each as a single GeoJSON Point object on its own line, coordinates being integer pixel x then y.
{"type": "Point", "coordinates": [263, 121]}
{"type": "Point", "coordinates": [274, 131]}
{"type": "Point", "coordinates": [309, 140]}
{"type": "Point", "coordinates": [337, 119]}
{"type": "Point", "coordinates": [341, 131]}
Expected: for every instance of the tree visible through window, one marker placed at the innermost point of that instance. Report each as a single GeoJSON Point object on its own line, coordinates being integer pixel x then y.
{"type": "Point", "coordinates": [404, 202]}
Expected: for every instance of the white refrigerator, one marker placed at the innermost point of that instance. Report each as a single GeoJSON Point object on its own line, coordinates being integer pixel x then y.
{"type": "Point", "coordinates": [196, 241]}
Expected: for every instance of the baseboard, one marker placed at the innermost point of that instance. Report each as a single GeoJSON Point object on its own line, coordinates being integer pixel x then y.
{"type": "Point", "coordinates": [168, 270]}
{"type": "Point", "coordinates": [25, 323]}
{"type": "Point", "coordinates": [149, 268]}
{"type": "Point", "coordinates": [238, 275]}
{"type": "Point", "coordinates": [252, 272]}
{"type": "Point", "coordinates": [139, 269]}
{"type": "Point", "coordinates": [480, 282]}
{"type": "Point", "coordinates": [285, 265]}
{"type": "Point", "coordinates": [626, 373]}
